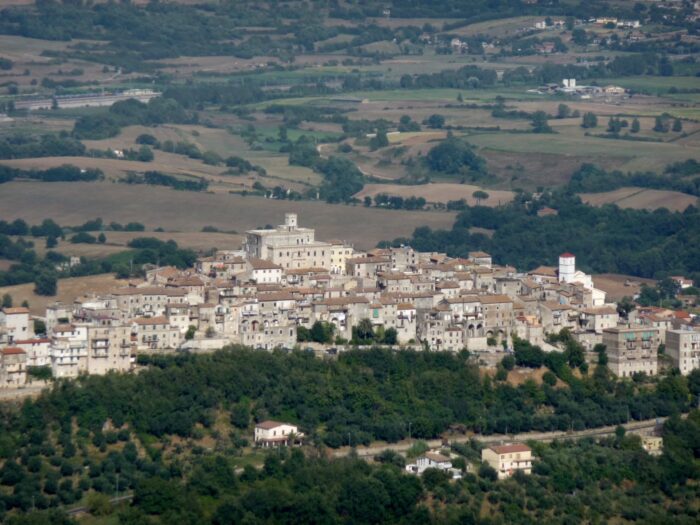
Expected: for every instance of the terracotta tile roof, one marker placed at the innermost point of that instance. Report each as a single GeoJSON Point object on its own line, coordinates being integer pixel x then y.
{"type": "Point", "coordinates": [437, 458]}
{"type": "Point", "coordinates": [16, 310]}
{"type": "Point", "coordinates": [144, 321]}
{"type": "Point", "coordinates": [549, 271]}
{"type": "Point", "coordinates": [275, 296]}
{"type": "Point", "coordinates": [342, 301]}
{"type": "Point", "coordinates": [32, 341]}
{"type": "Point", "coordinates": [494, 299]}
{"type": "Point", "coordinates": [13, 350]}
{"type": "Point", "coordinates": [269, 424]}
{"type": "Point", "coordinates": [510, 449]}
{"type": "Point", "coordinates": [262, 264]}
{"type": "Point", "coordinates": [149, 290]}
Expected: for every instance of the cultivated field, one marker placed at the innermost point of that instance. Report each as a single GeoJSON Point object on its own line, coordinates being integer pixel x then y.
{"type": "Point", "coordinates": [642, 199]}
{"type": "Point", "coordinates": [74, 203]}
{"type": "Point", "coordinates": [68, 290]}
{"type": "Point", "coordinates": [438, 192]}
{"type": "Point", "coordinates": [618, 286]}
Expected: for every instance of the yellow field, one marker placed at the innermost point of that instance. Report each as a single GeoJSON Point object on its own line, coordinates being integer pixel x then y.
{"type": "Point", "coordinates": [68, 290]}
{"type": "Point", "coordinates": [73, 203]}
{"type": "Point", "coordinates": [642, 199]}
{"type": "Point", "coordinates": [438, 192]}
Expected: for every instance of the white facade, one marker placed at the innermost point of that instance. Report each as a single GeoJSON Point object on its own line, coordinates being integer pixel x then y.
{"type": "Point", "coordinates": [275, 434]}
{"type": "Point", "coordinates": [16, 323]}
{"type": "Point", "coordinates": [567, 268]}
{"type": "Point", "coordinates": [683, 347]}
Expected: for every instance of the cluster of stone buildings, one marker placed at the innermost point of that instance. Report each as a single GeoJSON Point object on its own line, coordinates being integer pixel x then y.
{"type": "Point", "coordinates": [283, 279]}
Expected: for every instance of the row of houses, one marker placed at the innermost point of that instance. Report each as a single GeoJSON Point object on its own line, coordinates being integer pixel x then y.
{"type": "Point", "coordinates": [283, 279]}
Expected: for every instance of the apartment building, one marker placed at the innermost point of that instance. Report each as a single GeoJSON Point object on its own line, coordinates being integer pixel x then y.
{"type": "Point", "coordinates": [632, 350]}
{"type": "Point", "coordinates": [109, 347]}
{"type": "Point", "coordinates": [16, 323]}
{"type": "Point", "coordinates": [13, 367]}
{"type": "Point", "coordinates": [154, 334]}
{"type": "Point", "coordinates": [683, 347]}
{"type": "Point", "coordinates": [38, 350]}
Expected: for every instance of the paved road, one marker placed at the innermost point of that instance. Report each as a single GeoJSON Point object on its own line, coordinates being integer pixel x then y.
{"type": "Point", "coordinates": [634, 427]}
{"type": "Point", "coordinates": [82, 510]}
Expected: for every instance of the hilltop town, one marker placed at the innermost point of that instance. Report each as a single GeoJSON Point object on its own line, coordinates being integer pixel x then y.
{"type": "Point", "coordinates": [285, 289]}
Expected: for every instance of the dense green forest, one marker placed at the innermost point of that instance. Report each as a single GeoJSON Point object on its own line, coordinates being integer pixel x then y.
{"type": "Point", "coordinates": [607, 239]}
{"type": "Point", "coordinates": [367, 394]}
{"type": "Point", "coordinates": [58, 449]}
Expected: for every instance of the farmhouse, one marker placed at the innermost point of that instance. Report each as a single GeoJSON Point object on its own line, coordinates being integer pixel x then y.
{"type": "Point", "coordinates": [506, 460]}
{"type": "Point", "coordinates": [275, 434]}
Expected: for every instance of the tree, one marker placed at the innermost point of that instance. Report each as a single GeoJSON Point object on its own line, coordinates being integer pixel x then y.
{"type": "Point", "coordinates": [240, 415]}
{"type": "Point", "coordinates": [145, 154]}
{"type": "Point", "coordinates": [579, 36]}
{"type": "Point", "coordinates": [480, 195]}
{"type": "Point", "coordinates": [563, 111]}
{"type": "Point", "coordinates": [677, 125]}
{"type": "Point", "coordinates": [322, 332]}
{"type": "Point", "coordinates": [364, 331]}
{"type": "Point", "coordinates": [45, 284]}
{"type": "Point", "coordinates": [101, 238]}
{"type": "Point", "coordinates": [539, 123]}
{"type": "Point", "coordinates": [99, 504]}
{"type": "Point", "coordinates": [435, 121]}
{"type": "Point", "coordinates": [390, 336]}
{"type": "Point", "coordinates": [589, 120]}
{"type": "Point", "coordinates": [7, 301]}
{"type": "Point", "coordinates": [635, 126]}
{"type": "Point", "coordinates": [51, 242]}
{"type": "Point", "coordinates": [191, 330]}
{"type": "Point", "coordinates": [665, 67]}
{"type": "Point", "coordinates": [508, 362]}
{"type": "Point", "coordinates": [380, 140]}
{"type": "Point", "coordinates": [39, 326]}
{"type": "Point", "coordinates": [454, 156]}
{"type": "Point", "coordinates": [661, 124]}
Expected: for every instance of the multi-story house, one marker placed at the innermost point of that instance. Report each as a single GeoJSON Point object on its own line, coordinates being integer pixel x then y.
{"type": "Point", "coordinates": [154, 334]}
{"type": "Point", "coordinates": [275, 434]}
{"type": "Point", "coordinates": [13, 367]}
{"type": "Point", "coordinates": [631, 350]}
{"type": "Point", "coordinates": [16, 323]}
{"type": "Point", "coordinates": [147, 301]}
{"type": "Point", "coordinates": [506, 460]}
{"type": "Point", "coordinates": [38, 350]}
{"type": "Point", "coordinates": [683, 347]}
{"type": "Point", "coordinates": [109, 347]}
{"type": "Point", "coordinates": [69, 350]}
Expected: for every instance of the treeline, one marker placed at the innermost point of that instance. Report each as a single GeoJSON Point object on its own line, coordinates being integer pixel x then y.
{"type": "Point", "coordinates": [130, 112]}
{"type": "Point", "coordinates": [44, 272]}
{"type": "Point", "coordinates": [605, 240]}
{"type": "Point", "coordinates": [26, 146]}
{"type": "Point", "coordinates": [156, 178]}
{"type": "Point", "coordinates": [341, 177]}
{"type": "Point", "coordinates": [592, 179]}
{"type": "Point", "coordinates": [49, 445]}
{"type": "Point", "coordinates": [330, 399]}
{"type": "Point", "coordinates": [64, 173]}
